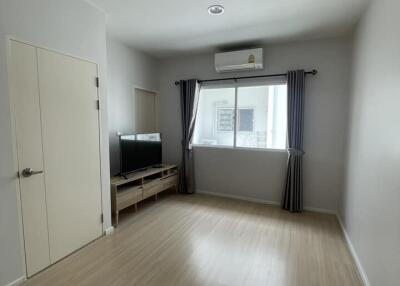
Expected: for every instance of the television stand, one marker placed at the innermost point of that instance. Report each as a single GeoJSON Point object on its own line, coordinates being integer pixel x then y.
{"type": "Point", "coordinates": [129, 189]}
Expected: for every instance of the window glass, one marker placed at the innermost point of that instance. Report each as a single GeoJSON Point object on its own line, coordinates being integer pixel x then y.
{"type": "Point", "coordinates": [215, 117]}
{"type": "Point", "coordinates": [261, 116]}
{"type": "Point", "coordinates": [260, 120]}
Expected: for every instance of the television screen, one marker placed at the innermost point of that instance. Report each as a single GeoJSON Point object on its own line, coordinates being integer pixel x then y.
{"type": "Point", "coordinates": [139, 151]}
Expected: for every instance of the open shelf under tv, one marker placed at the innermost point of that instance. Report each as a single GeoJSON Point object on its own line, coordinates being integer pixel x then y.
{"type": "Point", "coordinates": [129, 190]}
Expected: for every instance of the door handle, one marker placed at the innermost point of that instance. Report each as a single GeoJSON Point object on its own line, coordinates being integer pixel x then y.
{"type": "Point", "coordinates": [27, 172]}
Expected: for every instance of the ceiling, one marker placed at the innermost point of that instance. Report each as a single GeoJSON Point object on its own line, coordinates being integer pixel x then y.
{"type": "Point", "coordinates": [164, 28]}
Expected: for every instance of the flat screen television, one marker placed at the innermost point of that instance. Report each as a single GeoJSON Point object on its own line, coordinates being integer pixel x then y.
{"type": "Point", "coordinates": [139, 151]}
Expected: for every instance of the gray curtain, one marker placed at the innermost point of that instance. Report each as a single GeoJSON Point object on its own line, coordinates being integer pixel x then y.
{"type": "Point", "coordinates": [292, 198]}
{"type": "Point", "coordinates": [190, 90]}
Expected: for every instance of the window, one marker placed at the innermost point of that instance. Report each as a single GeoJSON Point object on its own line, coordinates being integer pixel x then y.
{"type": "Point", "coordinates": [243, 115]}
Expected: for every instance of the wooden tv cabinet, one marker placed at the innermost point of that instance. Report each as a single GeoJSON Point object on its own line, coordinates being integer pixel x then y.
{"type": "Point", "coordinates": [126, 192]}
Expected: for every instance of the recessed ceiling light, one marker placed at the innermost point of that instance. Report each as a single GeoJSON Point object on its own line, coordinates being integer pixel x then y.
{"type": "Point", "coordinates": [216, 10]}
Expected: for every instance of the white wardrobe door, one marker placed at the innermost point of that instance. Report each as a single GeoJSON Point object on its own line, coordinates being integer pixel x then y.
{"type": "Point", "coordinates": [70, 127]}
{"type": "Point", "coordinates": [25, 96]}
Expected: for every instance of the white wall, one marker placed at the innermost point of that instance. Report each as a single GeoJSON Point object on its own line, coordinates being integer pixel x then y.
{"type": "Point", "coordinates": [71, 27]}
{"type": "Point", "coordinates": [260, 174]}
{"type": "Point", "coordinates": [127, 68]}
{"type": "Point", "coordinates": [370, 204]}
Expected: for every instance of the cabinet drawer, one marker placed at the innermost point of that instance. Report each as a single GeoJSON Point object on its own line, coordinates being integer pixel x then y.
{"type": "Point", "coordinates": [152, 188]}
{"type": "Point", "coordinates": [152, 183]}
{"type": "Point", "coordinates": [170, 182]}
{"type": "Point", "coordinates": [128, 197]}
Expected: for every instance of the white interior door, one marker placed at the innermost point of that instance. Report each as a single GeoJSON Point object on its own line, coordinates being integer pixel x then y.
{"type": "Point", "coordinates": [145, 107]}
{"type": "Point", "coordinates": [25, 96]}
{"type": "Point", "coordinates": [70, 131]}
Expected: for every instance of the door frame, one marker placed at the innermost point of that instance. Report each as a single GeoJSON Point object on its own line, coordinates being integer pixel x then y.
{"type": "Point", "coordinates": [102, 129]}
{"type": "Point", "coordinates": [157, 94]}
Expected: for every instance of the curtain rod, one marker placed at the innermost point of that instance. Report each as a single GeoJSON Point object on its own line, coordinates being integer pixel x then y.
{"type": "Point", "coordinates": [313, 72]}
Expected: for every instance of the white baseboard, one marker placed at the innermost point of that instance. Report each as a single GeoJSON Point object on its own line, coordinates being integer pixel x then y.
{"type": "Point", "coordinates": [353, 252]}
{"type": "Point", "coordinates": [17, 282]}
{"type": "Point", "coordinates": [242, 198]}
{"type": "Point", "coordinates": [319, 210]}
{"type": "Point", "coordinates": [109, 230]}
{"type": "Point", "coordinates": [255, 200]}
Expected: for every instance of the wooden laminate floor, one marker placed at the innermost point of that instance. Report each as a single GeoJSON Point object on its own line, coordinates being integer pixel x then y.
{"type": "Point", "coordinates": [204, 240]}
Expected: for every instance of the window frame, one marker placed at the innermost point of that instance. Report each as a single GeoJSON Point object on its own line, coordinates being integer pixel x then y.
{"type": "Point", "coordinates": [236, 85]}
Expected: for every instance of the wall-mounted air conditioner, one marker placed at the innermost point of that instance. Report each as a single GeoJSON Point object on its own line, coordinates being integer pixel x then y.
{"type": "Point", "coordinates": [239, 60]}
